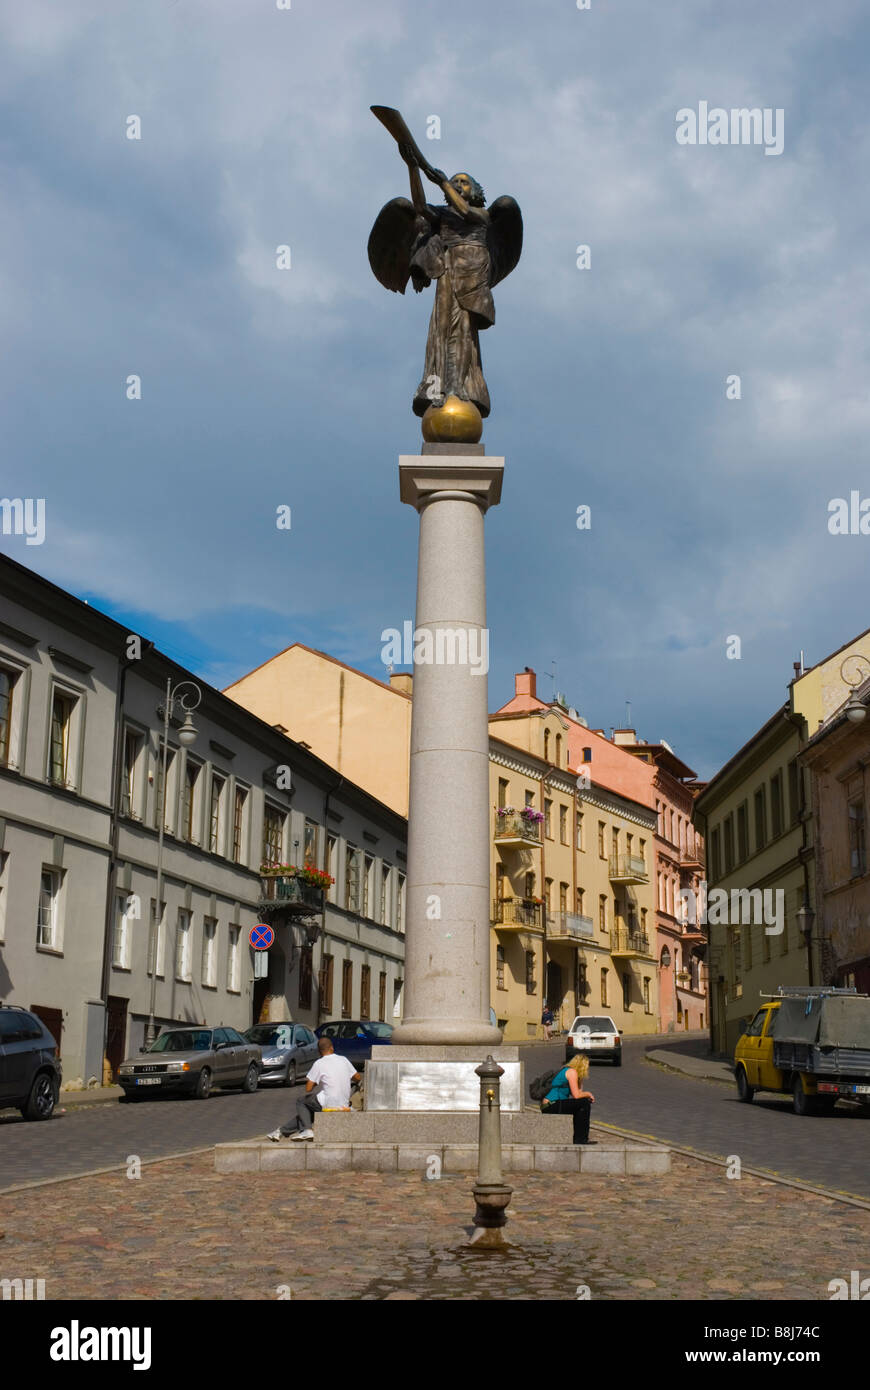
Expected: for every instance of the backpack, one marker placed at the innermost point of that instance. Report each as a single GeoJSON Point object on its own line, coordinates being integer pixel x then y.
{"type": "Point", "coordinates": [541, 1084]}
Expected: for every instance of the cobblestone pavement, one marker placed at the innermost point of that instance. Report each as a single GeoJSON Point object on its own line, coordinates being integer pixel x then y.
{"type": "Point", "coordinates": [182, 1231]}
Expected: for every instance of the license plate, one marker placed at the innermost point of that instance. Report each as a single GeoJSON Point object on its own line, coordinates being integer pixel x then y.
{"type": "Point", "coordinates": [861, 1090]}
{"type": "Point", "coordinates": [147, 1080]}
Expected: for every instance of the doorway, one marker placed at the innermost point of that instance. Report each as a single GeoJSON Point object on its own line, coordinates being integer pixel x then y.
{"type": "Point", "coordinates": [116, 1032]}
{"type": "Point", "coordinates": [555, 992]}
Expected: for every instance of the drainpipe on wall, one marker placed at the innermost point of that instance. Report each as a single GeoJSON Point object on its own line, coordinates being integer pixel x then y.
{"type": "Point", "coordinates": [798, 722]}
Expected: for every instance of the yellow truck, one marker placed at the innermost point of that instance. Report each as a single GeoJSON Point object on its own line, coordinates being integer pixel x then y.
{"type": "Point", "coordinates": [810, 1042]}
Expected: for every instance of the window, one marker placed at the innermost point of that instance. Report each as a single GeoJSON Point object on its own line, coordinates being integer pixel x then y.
{"type": "Point", "coordinates": [581, 984]}
{"type": "Point", "coordinates": [503, 793]}
{"type": "Point", "coordinates": [587, 755]}
{"type": "Point", "coordinates": [548, 819]}
{"type": "Point", "coordinates": [579, 829]}
{"type": "Point", "coordinates": [216, 814]}
{"type": "Point", "coordinates": [714, 855]}
{"type": "Point", "coordinates": [369, 887]}
{"type": "Point", "coordinates": [604, 999]}
{"type": "Point", "coordinates": [397, 998]}
{"type": "Point", "coordinates": [857, 841]}
{"type": "Point", "coordinates": [499, 967]}
{"type": "Point", "coordinates": [352, 859]}
{"type": "Point", "coordinates": [747, 945]}
{"type": "Point", "coordinates": [365, 989]}
{"type": "Point", "coordinates": [7, 687]}
{"type": "Point", "coordinates": [546, 745]}
{"type": "Point", "coordinates": [332, 867]}
{"type": "Point", "coordinates": [794, 800]}
{"type": "Point", "coordinates": [629, 841]}
{"type": "Point", "coordinates": [602, 912]}
{"type": "Point", "coordinates": [325, 984]}
{"type": "Point", "coordinates": [62, 707]}
{"type": "Point", "coordinates": [728, 838]}
{"type": "Point", "coordinates": [273, 834]}
{"type": "Point", "coordinates": [190, 801]}
{"type": "Point", "coordinates": [47, 915]}
{"type": "Point", "coordinates": [641, 854]}
{"type": "Point", "coordinates": [530, 885]}
{"type": "Point", "coordinates": [760, 820]}
{"type": "Point", "coordinates": [643, 920]}
{"type": "Point", "coordinates": [309, 845]}
{"type": "Point", "coordinates": [646, 1005]}
{"type": "Point", "coordinates": [182, 946]}
{"type": "Point", "coordinates": [563, 824]}
{"type": "Point", "coordinates": [530, 798]}
{"type": "Point", "coordinates": [400, 904]}
{"type": "Point", "coordinates": [601, 829]}
{"type": "Point", "coordinates": [305, 972]}
{"type": "Point", "coordinates": [742, 834]}
{"type": "Point", "coordinates": [580, 901]}
{"type": "Point", "coordinates": [346, 988]}
{"type": "Point", "coordinates": [165, 798]}
{"type": "Point", "coordinates": [776, 805]}
{"type": "Point", "coordinates": [234, 960]}
{"type": "Point", "coordinates": [240, 808]}
{"type": "Point", "coordinates": [133, 744]}
{"type": "Point", "coordinates": [614, 841]}
{"type": "Point", "coordinates": [558, 750]}
{"type": "Point", "coordinates": [626, 991]}
{"type": "Point", "coordinates": [499, 883]}
{"type": "Point", "coordinates": [382, 997]}
{"type": "Point", "coordinates": [121, 934]}
{"type": "Point", "coordinates": [385, 895]}
{"type": "Point", "coordinates": [548, 894]}
{"type": "Point", "coordinates": [209, 952]}
{"type": "Point", "coordinates": [531, 986]}
{"type": "Point", "coordinates": [563, 897]}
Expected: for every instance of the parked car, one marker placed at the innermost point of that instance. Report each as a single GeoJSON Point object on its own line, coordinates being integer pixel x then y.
{"type": "Point", "coordinates": [288, 1049]}
{"type": "Point", "coordinates": [596, 1035]}
{"type": "Point", "coordinates": [192, 1060]}
{"type": "Point", "coordinates": [30, 1071]}
{"type": "Point", "coordinates": [811, 1042]}
{"type": "Point", "coordinates": [354, 1038]}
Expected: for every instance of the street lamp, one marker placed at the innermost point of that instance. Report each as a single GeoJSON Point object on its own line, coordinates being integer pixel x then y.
{"type": "Point", "coordinates": [186, 736]}
{"type": "Point", "coordinates": [855, 711]}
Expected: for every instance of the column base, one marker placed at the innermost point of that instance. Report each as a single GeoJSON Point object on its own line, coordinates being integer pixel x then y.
{"type": "Point", "coordinates": [439, 1032]}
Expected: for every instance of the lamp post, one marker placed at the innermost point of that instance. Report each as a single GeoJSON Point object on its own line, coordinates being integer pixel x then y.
{"type": "Point", "coordinates": [855, 710]}
{"type": "Point", "coordinates": [186, 736]}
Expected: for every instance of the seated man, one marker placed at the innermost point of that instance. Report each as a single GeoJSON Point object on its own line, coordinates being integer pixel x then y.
{"type": "Point", "coordinates": [334, 1076]}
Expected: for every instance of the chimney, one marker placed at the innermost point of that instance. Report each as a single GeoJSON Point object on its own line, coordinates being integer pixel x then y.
{"type": "Point", "coordinates": [624, 736]}
{"type": "Point", "coordinates": [524, 683]}
{"type": "Point", "coordinates": [402, 681]}
{"type": "Point", "coordinates": [797, 669]}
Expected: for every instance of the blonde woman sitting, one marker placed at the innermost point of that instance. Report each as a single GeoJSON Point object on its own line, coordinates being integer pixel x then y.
{"type": "Point", "coordinates": [565, 1097]}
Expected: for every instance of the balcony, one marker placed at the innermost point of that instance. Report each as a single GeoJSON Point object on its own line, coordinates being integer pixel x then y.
{"type": "Point", "coordinates": [519, 913]}
{"type": "Point", "coordinates": [571, 927]}
{"type": "Point", "coordinates": [628, 868]}
{"type": "Point", "coordinates": [286, 893]}
{"type": "Point", "coordinates": [692, 858]}
{"type": "Point", "coordinates": [513, 828]}
{"type": "Point", "coordinates": [629, 943]}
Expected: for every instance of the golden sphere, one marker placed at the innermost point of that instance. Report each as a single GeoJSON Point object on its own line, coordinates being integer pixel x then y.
{"type": "Point", "coordinates": [454, 422]}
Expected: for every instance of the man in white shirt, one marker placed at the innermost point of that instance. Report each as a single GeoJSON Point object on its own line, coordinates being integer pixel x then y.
{"type": "Point", "coordinates": [333, 1076]}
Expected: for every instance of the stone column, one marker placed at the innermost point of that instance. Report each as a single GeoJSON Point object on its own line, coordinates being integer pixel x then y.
{"type": "Point", "coordinates": [447, 944]}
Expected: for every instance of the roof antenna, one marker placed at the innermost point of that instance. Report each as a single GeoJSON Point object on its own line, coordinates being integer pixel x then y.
{"type": "Point", "coordinates": [628, 714]}
{"type": "Point", "coordinates": [552, 675]}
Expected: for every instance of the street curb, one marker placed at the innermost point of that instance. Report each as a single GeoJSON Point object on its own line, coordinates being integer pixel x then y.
{"type": "Point", "coordinates": [97, 1172]}
{"type": "Point", "coordinates": [658, 1058]}
{"type": "Point", "coordinates": [98, 1095]}
{"type": "Point", "coordinates": [767, 1174]}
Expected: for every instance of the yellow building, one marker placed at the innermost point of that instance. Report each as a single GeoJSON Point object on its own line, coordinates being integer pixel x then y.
{"type": "Point", "coordinates": [572, 899]}
{"type": "Point", "coordinates": [756, 817]}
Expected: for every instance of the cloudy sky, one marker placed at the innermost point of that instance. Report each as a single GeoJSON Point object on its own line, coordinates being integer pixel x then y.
{"type": "Point", "coordinates": [264, 387]}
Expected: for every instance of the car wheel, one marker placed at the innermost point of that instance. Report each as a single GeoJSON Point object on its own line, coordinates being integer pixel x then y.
{"type": "Point", "coordinates": [42, 1099]}
{"type": "Point", "coordinates": [745, 1092]}
{"type": "Point", "coordinates": [803, 1104]}
{"type": "Point", "coordinates": [290, 1078]}
{"type": "Point", "coordinates": [202, 1090]}
{"type": "Point", "coordinates": [251, 1081]}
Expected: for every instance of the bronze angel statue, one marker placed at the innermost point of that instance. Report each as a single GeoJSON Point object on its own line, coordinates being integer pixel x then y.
{"type": "Point", "coordinates": [466, 248]}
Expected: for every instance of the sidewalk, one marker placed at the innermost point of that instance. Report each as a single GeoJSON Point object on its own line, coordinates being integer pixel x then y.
{"type": "Point", "coordinates": [94, 1096]}
{"type": "Point", "coordinates": [180, 1231]}
{"type": "Point", "coordinates": [690, 1054]}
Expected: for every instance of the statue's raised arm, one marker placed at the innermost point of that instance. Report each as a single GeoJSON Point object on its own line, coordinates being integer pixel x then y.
{"type": "Point", "coordinates": [466, 248]}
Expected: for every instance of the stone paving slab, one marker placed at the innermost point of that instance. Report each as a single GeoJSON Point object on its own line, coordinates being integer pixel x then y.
{"type": "Point", "coordinates": [183, 1232]}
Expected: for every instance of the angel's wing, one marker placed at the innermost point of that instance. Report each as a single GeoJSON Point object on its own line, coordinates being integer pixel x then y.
{"type": "Point", "coordinates": [504, 237]}
{"type": "Point", "coordinates": [391, 242]}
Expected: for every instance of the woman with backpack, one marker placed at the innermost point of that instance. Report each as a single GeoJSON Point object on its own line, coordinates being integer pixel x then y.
{"type": "Point", "coordinates": [565, 1097]}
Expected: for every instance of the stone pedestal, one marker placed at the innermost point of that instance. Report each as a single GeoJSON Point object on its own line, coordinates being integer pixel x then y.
{"type": "Point", "coordinates": [447, 939]}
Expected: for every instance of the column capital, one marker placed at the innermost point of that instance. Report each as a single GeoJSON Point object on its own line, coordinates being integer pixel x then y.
{"type": "Point", "coordinates": [423, 475]}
